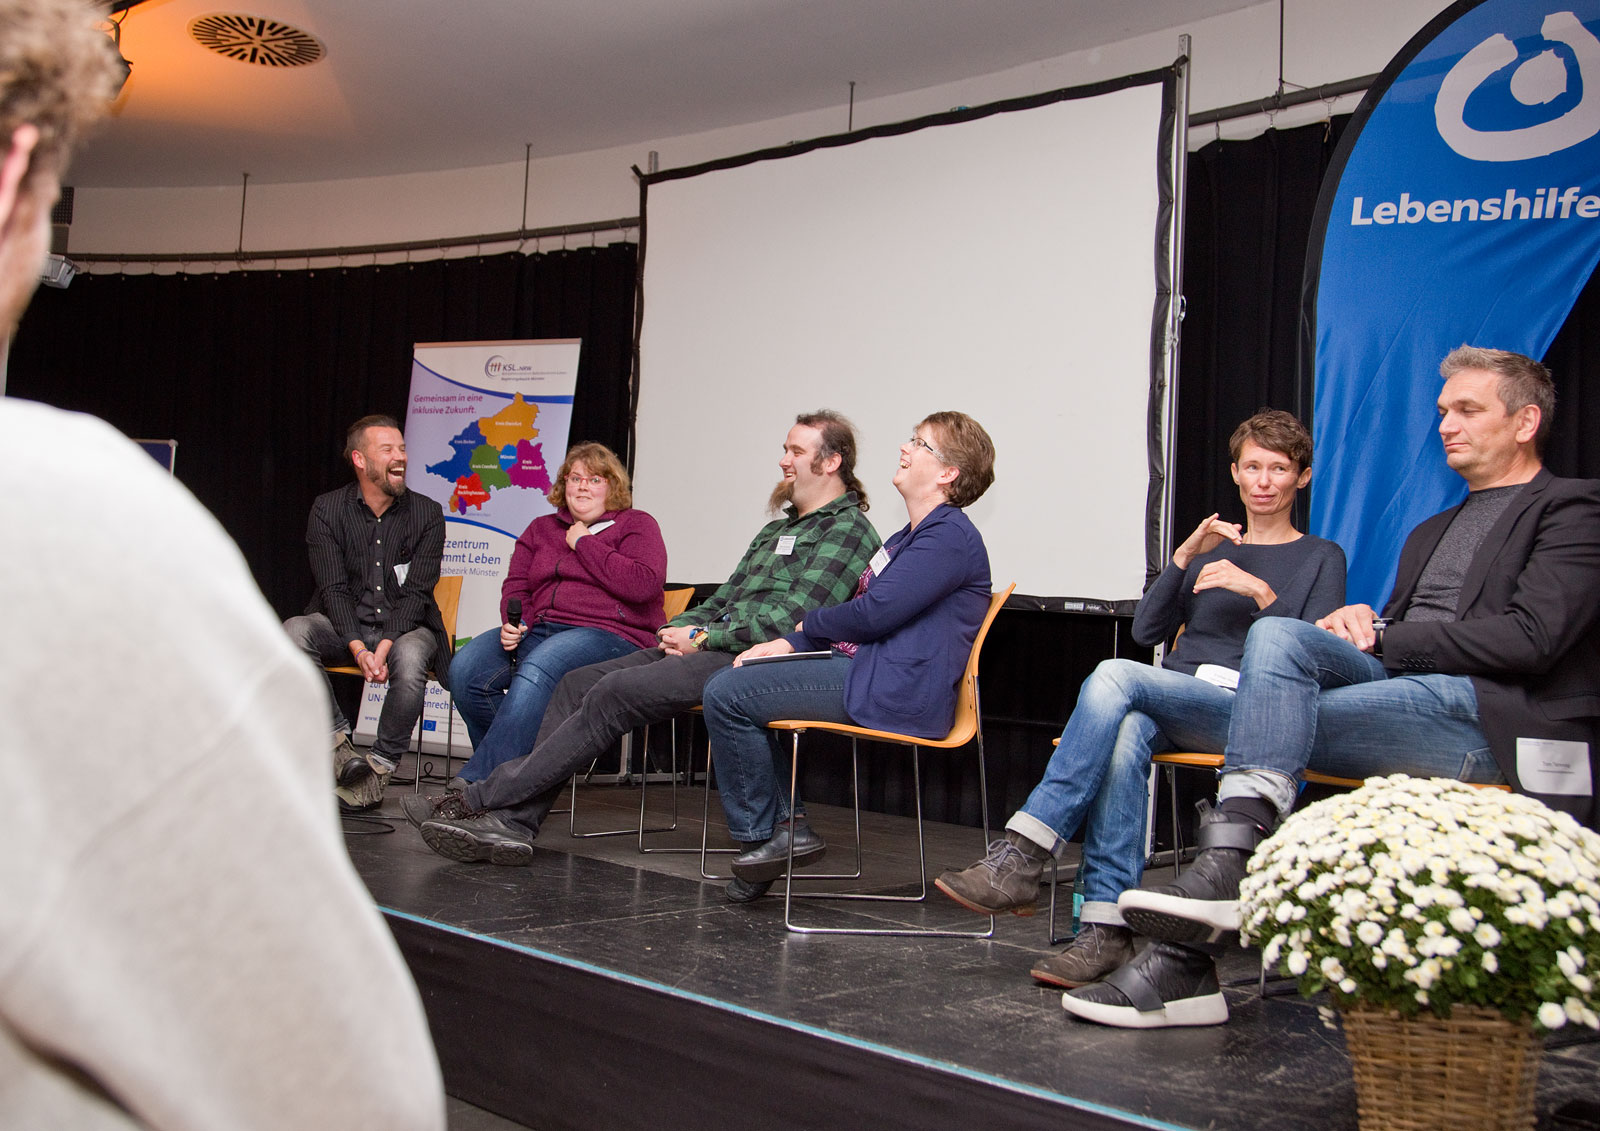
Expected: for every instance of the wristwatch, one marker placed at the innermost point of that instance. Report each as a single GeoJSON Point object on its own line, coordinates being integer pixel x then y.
{"type": "Point", "coordinates": [696, 635]}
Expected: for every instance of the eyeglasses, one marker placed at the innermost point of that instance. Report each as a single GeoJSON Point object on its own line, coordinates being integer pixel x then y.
{"type": "Point", "coordinates": [593, 481]}
{"type": "Point", "coordinates": [918, 442]}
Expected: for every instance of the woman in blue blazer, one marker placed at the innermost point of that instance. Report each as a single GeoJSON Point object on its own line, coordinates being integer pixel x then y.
{"type": "Point", "coordinates": [891, 657]}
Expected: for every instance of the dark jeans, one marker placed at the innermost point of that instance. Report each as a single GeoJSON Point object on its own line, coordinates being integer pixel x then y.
{"type": "Point", "coordinates": [410, 657]}
{"type": "Point", "coordinates": [592, 708]}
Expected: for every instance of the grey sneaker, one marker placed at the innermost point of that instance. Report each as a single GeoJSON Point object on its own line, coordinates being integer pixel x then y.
{"type": "Point", "coordinates": [366, 794]}
{"type": "Point", "coordinates": [1096, 950]}
{"type": "Point", "coordinates": [1007, 879]}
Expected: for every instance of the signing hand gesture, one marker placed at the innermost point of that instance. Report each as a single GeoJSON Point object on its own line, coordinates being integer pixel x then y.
{"type": "Point", "coordinates": [577, 530]}
{"type": "Point", "coordinates": [1352, 623]}
{"type": "Point", "coordinates": [1226, 575]}
{"type": "Point", "coordinates": [778, 647]}
{"type": "Point", "coordinates": [1206, 537]}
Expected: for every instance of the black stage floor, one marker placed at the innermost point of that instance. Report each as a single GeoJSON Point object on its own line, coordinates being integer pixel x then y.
{"type": "Point", "coordinates": [604, 988]}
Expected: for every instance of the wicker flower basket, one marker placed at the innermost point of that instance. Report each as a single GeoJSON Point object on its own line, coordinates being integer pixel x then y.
{"type": "Point", "coordinates": [1475, 1072]}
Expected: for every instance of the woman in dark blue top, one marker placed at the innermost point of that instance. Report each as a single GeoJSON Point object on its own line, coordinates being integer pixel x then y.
{"type": "Point", "coordinates": [895, 653]}
{"type": "Point", "coordinates": [1222, 579]}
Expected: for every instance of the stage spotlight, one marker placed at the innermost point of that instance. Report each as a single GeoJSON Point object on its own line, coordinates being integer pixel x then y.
{"type": "Point", "coordinates": [124, 67]}
{"type": "Point", "coordinates": [120, 8]}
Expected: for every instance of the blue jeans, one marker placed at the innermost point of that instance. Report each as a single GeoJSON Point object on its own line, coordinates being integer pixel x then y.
{"type": "Point", "coordinates": [1126, 712]}
{"type": "Point", "coordinates": [1309, 699]}
{"type": "Point", "coordinates": [753, 762]}
{"type": "Point", "coordinates": [503, 706]}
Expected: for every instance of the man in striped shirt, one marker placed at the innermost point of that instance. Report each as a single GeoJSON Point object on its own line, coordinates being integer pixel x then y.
{"type": "Point", "coordinates": [808, 557]}
{"type": "Point", "coordinates": [375, 549]}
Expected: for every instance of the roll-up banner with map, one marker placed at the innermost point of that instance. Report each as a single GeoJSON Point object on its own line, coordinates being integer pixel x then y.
{"type": "Point", "coordinates": [486, 430]}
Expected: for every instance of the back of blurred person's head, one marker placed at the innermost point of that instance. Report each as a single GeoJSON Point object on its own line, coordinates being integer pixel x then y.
{"type": "Point", "coordinates": [58, 74]}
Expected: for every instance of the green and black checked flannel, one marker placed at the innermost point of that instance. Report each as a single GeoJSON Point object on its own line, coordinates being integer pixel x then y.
{"type": "Point", "coordinates": [768, 592]}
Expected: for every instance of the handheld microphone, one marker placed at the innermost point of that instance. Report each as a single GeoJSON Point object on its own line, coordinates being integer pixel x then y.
{"type": "Point", "coordinates": [514, 616]}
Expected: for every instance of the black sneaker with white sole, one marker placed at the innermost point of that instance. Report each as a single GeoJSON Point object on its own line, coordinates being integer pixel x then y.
{"type": "Point", "coordinates": [1202, 905]}
{"type": "Point", "coordinates": [1165, 986]}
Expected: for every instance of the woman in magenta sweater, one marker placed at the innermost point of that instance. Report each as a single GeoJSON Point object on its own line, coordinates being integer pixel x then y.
{"type": "Point", "coordinates": [588, 582]}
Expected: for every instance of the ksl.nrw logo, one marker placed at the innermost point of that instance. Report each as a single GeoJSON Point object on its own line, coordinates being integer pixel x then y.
{"type": "Point", "coordinates": [498, 366]}
{"type": "Point", "coordinates": [1538, 81]}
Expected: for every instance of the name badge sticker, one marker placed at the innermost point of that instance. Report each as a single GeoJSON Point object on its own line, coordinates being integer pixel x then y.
{"type": "Point", "coordinates": [785, 545]}
{"type": "Point", "coordinates": [1549, 765]}
{"type": "Point", "coordinates": [879, 560]}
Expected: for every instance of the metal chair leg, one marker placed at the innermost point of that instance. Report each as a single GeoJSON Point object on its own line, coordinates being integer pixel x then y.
{"type": "Point", "coordinates": [640, 830]}
{"type": "Point", "coordinates": [705, 826]}
{"type": "Point", "coordinates": [855, 798]}
{"type": "Point", "coordinates": [1177, 828]}
{"type": "Point", "coordinates": [790, 895]}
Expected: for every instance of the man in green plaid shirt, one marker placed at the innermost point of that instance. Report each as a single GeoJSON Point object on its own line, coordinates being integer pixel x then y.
{"type": "Point", "coordinates": [810, 557]}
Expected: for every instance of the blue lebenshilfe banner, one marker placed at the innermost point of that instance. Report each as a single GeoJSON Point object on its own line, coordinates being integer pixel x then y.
{"type": "Point", "coordinates": [1467, 210]}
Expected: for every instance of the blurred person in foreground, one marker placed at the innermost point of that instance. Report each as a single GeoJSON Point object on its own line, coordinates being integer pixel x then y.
{"type": "Point", "coordinates": [183, 942]}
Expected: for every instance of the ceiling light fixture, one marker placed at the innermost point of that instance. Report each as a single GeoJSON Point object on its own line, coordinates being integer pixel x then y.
{"type": "Point", "coordinates": [255, 39]}
{"type": "Point", "coordinates": [124, 67]}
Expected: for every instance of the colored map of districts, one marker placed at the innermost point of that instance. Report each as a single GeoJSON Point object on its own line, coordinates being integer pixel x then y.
{"type": "Point", "coordinates": [494, 453]}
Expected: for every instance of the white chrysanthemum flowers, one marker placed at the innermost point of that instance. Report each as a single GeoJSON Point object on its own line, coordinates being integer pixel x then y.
{"type": "Point", "coordinates": [1411, 893]}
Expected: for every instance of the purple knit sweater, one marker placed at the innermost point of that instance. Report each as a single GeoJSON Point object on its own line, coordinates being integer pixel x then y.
{"type": "Point", "coordinates": [612, 580]}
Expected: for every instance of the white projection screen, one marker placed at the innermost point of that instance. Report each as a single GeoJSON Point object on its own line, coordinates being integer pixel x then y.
{"type": "Point", "coordinates": [1002, 261]}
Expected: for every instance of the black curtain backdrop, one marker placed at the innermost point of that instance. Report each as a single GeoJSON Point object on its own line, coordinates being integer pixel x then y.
{"type": "Point", "coordinates": [1250, 210]}
{"type": "Point", "coordinates": [257, 373]}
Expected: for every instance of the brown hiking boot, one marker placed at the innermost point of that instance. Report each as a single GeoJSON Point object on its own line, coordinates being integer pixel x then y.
{"type": "Point", "coordinates": [1007, 879]}
{"type": "Point", "coordinates": [1096, 950]}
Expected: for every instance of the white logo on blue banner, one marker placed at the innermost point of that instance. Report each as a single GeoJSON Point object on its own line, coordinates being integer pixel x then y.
{"type": "Point", "coordinates": [1463, 206]}
{"type": "Point", "coordinates": [1536, 82]}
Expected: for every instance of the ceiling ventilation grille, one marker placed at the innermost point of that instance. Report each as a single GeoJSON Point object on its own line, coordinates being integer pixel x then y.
{"type": "Point", "coordinates": [255, 39]}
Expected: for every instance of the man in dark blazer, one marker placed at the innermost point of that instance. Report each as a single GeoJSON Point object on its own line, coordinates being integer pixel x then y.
{"type": "Point", "coordinates": [1484, 667]}
{"type": "Point", "coordinates": [375, 549]}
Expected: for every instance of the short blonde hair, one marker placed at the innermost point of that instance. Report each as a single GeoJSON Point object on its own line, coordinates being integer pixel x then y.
{"type": "Point", "coordinates": [966, 446]}
{"type": "Point", "coordinates": [601, 461]}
